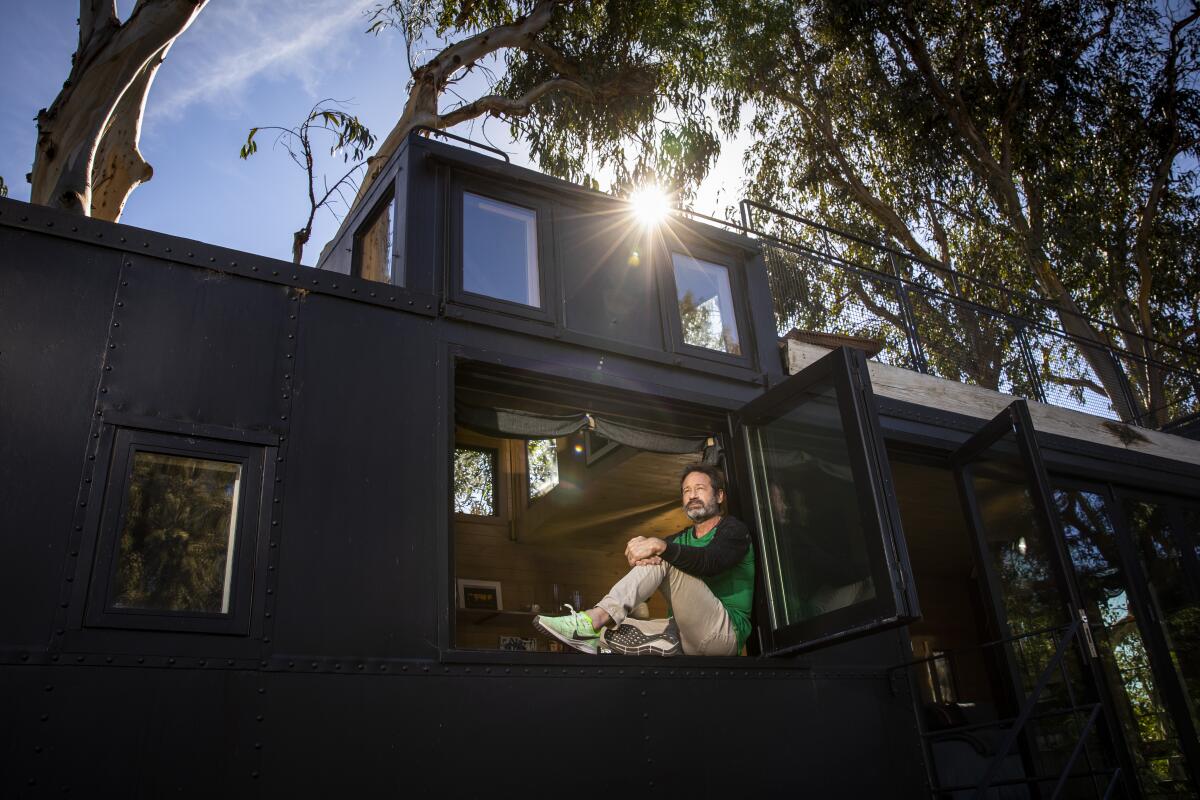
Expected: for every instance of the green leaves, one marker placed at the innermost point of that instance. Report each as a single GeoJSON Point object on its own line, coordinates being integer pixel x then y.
{"type": "Point", "coordinates": [250, 147]}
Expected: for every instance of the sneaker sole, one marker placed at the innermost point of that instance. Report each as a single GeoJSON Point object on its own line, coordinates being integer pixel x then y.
{"type": "Point", "coordinates": [575, 643]}
{"type": "Point", "coordinates": [649, 646]}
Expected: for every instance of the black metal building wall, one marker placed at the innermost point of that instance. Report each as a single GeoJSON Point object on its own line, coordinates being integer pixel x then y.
{"type": "Point", "coordinates": [343, 689]}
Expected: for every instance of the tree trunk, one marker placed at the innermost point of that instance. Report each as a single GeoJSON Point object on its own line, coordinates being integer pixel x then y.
{"type": "Point", "coordinates": [87, 159]}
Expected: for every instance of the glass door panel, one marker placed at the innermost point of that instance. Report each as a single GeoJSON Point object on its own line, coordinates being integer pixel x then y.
{"type": "Point", "coordinates": [1008, 503]}
{"type": "Point", "coordinates": [1157, 537]}
{"type": "Point", "coordinates": [833, 556]}
{"type": "Point", "coordinates": [1116, 629]}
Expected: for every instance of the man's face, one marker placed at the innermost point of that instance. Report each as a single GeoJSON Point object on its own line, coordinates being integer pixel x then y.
{"type": "Point", "coordinates": [700, 501]}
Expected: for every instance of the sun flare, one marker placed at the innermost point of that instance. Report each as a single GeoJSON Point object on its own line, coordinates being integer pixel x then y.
{"type": "Point", "coordinates": [650, 205]}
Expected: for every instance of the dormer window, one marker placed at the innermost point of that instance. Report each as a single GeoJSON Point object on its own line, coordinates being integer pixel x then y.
{"type": "Point", "coordinates": [500, 250]}
{"type": "Point", "coordinates": [705, 302]}
{"type": "Point", "coordinates": [373, 253]}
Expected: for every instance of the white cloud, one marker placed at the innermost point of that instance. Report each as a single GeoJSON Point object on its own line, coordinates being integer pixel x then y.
{"type": "Point", "coordinates": [234, 42]}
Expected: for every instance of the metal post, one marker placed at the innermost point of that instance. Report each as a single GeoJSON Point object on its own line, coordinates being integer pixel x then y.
{"type": "Point", "coordinates": [1035, 380]}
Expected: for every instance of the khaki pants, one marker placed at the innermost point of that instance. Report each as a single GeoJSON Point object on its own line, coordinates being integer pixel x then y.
{"type": "Point", "coordinates": [704, 625]}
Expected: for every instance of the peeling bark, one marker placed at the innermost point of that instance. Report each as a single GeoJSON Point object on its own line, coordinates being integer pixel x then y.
{"type": "Point", "coordinates": [87, 159]}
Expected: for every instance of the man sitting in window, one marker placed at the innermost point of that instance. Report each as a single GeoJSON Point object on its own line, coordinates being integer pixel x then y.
{"type": "Point", "coordinates": [706, 572]}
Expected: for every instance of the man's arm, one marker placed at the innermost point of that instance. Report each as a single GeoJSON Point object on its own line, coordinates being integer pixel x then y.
{"type": "Point", "coordinates": [730, 542]}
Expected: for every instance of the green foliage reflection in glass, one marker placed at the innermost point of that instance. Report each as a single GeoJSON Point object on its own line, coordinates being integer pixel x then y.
{"type": "Point", "coordinates": [1091, 541]}
{"type": "Point", "coordinates": [705, 305]}
{"type": "Point", "coordinates": [541, 456]}
{"type": "Point", "coordinates": [474, 481]}
{"type": "Point", "coordinates": [176, 546]}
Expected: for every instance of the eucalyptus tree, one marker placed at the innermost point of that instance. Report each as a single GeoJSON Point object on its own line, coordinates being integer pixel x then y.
{"type": "Point", "coordinates": [87, 158]}
{"type": "Point", "coordinates": [582, 82]}
{"type": "Point", "coordinates": [1048, 147]}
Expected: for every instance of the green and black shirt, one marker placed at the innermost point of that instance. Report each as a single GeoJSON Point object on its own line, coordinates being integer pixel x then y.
{"type": "Point", "coordinates": [724, 560]}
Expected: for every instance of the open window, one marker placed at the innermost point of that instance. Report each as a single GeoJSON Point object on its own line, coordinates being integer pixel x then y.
{"type": "Point", "coordinates": [834, 561]}
{"type": "Point", "coordinates": [571, 488]}
{"type": "Point", "coordinates": [177, 535]}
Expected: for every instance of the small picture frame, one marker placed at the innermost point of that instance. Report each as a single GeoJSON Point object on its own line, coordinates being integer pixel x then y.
{"type": "Point", "coordinates": [518, 644]}
{"type": "Point", "coordinates": [481, 595]}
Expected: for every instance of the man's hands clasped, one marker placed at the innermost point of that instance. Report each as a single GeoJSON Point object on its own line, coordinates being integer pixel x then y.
{"type": "Point", "coordinates": [644, 551]}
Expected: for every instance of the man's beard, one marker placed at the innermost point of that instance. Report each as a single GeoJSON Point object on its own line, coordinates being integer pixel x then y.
{"type": "Point", "coordinates": [702, 512]}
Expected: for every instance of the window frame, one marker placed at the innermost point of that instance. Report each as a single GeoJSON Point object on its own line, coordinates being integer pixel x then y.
{"type": "Point", "coordinates": [547, 311]}
{"type": "Point", "coordinates": [386, 204]}
{"type": "Point", "coordinates": [248, 532]}
{"type": "Point", "coordinates": [735, 268]}
{"type": "Point", "coordinates": [895, 603]}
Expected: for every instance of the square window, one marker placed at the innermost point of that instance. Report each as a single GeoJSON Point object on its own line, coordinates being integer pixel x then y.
{"type": "Point", "coordinates": [475, 481]}
{"type": "Point", "coordinates": [178, 533]}
{"type": "Point", "coordinates": [175, 549]}
{"type": "Point", "coordinates": [499, 250]}
{"type": "Point", "coordinates": [705, 300]}
{"type": "Point", "coordinates": [373, 253]}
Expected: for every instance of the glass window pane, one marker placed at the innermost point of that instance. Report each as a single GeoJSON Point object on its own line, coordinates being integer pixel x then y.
{"type": "Point", "coordinates": [817, 559]}
{"type": "Point", "coordinates": [542, 460]}
{"type": "Point", "coordinates": [1103, 586]}
{"type": "Point", "coordinates": [176, 544]}
{"type": "Point", "coordinates": [705, 304]}
{"type": "Point", "coordinates": [475, 481]}
{"type": "Point", "coordinates": [375, 246]}
{"type": "Point", "coordinates": [500, 250]}
{"type": "Point", "coordinates": [1158, 546]}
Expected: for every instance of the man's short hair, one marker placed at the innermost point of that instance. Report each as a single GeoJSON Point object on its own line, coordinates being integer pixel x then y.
{"type": "Point", "coordinates": [715, 476]}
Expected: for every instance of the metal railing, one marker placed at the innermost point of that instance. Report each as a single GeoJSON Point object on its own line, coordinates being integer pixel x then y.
{"type": "Point", "coordinates": [1104, 779]}
{"type": "Point", "coordinates": [941, 322]}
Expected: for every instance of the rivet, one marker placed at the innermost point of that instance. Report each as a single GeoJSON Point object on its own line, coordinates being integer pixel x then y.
{"type": "Point", "coordinates": [233, 263]}
{"type": "Point", "coordinates": [145, 244]}
{"type": "Point", "coordinates": [295, 277]}
{"type": "Point", "coordinates": [141, 660]}
{"type": "Point", "coordinates": [112, 346]}
{"type": "Point", "coordinates": [190, 254]}
{"type": "Point", "coordinates": [410, 302]}
{"type": "Point", "coordinates": [354, 291]}
{"type": "Point", "coordinates": [108, 659]}
{"type": "Point", "coordinates": [253, 268]}
{"type": "Point", "coordinates": [314, 283]}
{"type": "Point", "coordinates": [170, 661]}
{"type": "Point", "coordinates": [262, 691]}
{"type": "Point", "coordinates": [203, 663]}
{"type": "Point", "coordinates": [229, 662]}
{"type": "Point", "coordinates": [372, 294]}
{"type": "Point", "coordinates": [335, 286]}
{"type": "Point", "coordinates": [168, 250]}
{"type": "Point", "coordinates": [360, 666]}
{"type": "Point", "coordinates": [120, 303]}
{"type": "Point", "coordinates": [259, 718]}
{"type": "Point", "coordinates": [254, 774]}
{"type": "Point", "coordinates": [274, 272]}
{"type": "Point", "coordinates": [108, 367]}
{"type": "Point", "coordinates": [268, 614]}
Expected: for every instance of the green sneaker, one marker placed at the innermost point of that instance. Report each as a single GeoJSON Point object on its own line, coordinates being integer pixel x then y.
{"type": "Point", "coordinates": [574, 630]}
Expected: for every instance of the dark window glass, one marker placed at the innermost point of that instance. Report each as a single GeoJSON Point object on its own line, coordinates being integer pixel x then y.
{"type": "Point", "coordinates": [177, 539]}
{"type": "Point", "coordinates": [813, 532]}
{"type": "Point", "coordinates": [705, 305]}
{"type": "Point", "coordinates": [474, 481]}
{"type": "Point", "coordinates": [1158, 546]}
{"type": "Point", "coordinates": [499, 252]}
{"type": "Point", "coordinates": [373, 246]}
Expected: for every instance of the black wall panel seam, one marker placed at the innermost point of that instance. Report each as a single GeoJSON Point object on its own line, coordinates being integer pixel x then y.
{"type": "Point", "coordinates": [88, 492]}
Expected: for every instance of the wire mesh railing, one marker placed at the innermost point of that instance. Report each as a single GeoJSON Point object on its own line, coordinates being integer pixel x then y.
{"type": "Point", "coordinates": [955, 326]}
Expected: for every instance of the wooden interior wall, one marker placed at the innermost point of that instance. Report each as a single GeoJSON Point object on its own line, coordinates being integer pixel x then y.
{"type": "Point", "coordinates": [574, 537]}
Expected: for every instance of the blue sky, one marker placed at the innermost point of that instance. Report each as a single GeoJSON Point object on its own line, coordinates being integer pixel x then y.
{"type": "Point", "coordinates": [242, 63]}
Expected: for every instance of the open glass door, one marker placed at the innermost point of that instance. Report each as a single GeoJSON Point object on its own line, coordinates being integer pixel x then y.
{"type": "Point", "coordinates": [1046, 654]}
{"type": "Point", "coordinates": [834, 559]}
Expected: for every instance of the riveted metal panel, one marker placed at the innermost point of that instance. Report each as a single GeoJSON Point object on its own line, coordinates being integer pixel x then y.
{"type": "Point", "coordinates": [56, 300]}
{"type": "Point", "coordinates": [152, 732]}
{"type": "Point", "coordinates": [359, 519]}
{"type": "Point", "coordinates": [197, 345]}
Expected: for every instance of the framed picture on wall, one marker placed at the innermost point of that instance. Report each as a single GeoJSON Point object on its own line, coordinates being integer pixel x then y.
{"type": "Point", "coordinates": [483, 595]}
